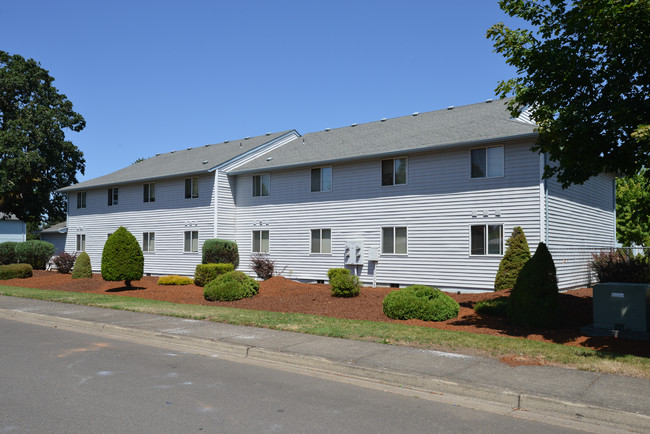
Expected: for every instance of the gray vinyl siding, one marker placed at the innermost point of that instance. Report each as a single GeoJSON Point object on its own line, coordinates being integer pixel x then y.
{"type": "Point", "coordinates": [437, 207]}
{"type": "Point", "coordinates": [12, 230]}
{"type": "Point", "coordinates": [581, 220]}
{"type": "Point", "coordinates": [168, 217]}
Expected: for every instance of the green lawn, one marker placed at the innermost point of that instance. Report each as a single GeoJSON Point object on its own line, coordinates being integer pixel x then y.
{"type": "Point", "coordinates": [388, 333]}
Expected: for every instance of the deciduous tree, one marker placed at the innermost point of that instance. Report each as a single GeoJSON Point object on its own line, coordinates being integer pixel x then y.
{"type": "Point", "coordinates": [632, 203]}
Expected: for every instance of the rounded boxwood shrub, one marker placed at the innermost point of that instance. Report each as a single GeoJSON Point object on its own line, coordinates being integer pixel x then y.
{"type": "Point", "coordinates": [233, 285]}
{"type": "Point", "coordinates": [216, 251]}
{"type": "Point", "coordinates": [122, 258]}
{"type": "Point", "coordinates": [335, 272]}
{"type": "Point", "coordinates": [420, 302]}
{"type": "Point", "coordinates": [82, 268]}
{"type": "Point", "coordinates": [8, 252]}
{"type": "Point", "coordinates": [205, 273]}
{"type": "Point", "coordinates": [534, 301]}
{"type": "Point", "coordinates": [345, 285]}
{"type": "Point", "coordinates": [174, 280]}
{"type": "Point", "coordinates": [517, 254]}
{"type": "Point", "coordinates": [35, 253]}
{"type": "Point", "coordinates": [15, 271]}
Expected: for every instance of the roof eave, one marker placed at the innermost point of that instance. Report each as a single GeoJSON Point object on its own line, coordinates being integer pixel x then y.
{"type": "Point", "coordinates": [78, 187]}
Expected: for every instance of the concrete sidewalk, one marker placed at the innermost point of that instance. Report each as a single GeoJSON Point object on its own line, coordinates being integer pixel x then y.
{"type": "Point", "coordinates": [558, 392]}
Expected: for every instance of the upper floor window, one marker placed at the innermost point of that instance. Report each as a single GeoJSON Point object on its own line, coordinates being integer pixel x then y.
{"type": "Point", "coordinates": [393, 240]}
{"type": "Point", "coordinates": [262, 184]}
{"type": "Point", "coordinates": [393, 171]}
{"type": "Point", "coordinates": [486, 240]}
{"type": "Point", "coordinates": [260, 242]}
{"type": "Point", "coordinates": [81, 199]}
{"type": "Point", "coordinates": [112, 196]}
{"type": "Point", "coordinates": [149, 242]}
{"type": "Point", "coordinates": [487, 162]}
{"type": "Point", "coordinates": [321, 179]}
{"type": "Point", "coordinates": [321, 241]}
{"type": "Point", "coordinates": [192, 188]}
{"type": "Point", "coordinates": [149, 192]}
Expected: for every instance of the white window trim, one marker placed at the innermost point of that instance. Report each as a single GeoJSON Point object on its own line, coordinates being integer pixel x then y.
{"type": "Point", "coordinates": [198, 187]}
{"type": "Point", "coordinates": [148, 234]}
{"type": "Point", "coordinates": [485, 239]}
{"type": "Point", "coordinates": [483, 178]}
{"type": "Point", "coordinates": [321, 253]}
{"type": "Point", "coordinates": [150, 184]}
{"type": "Point", "coordinates": [82, 238]}
{"type": "Point", "coordinates": [381, 241]}
{"type": "Point", "coordinates": [253, 241]}
{"type": "Point", "coordinates": [381, 172]}
{"type": "Point", "coordinates": [260, 175]}
{"type": "Point", "coordinates": [321, 179]}
{"type": "Point", "coordinates": [197, 243]}
{"type": "Point", "coordinates": [115, 196]}
{"type": "Point", "coordinates": [81, 195]}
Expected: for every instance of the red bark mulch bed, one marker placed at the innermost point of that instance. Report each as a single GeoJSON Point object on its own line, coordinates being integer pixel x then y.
{"type": "Point", "coordinates": [279, 294]}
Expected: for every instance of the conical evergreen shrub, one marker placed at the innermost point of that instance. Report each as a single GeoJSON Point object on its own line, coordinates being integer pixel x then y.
{"type": "Point", "coordinates": [534, 300]}
{"type": "Point", "coordinates": [82, 268]}
{"type": "Point", "coordinates": [517, 254]}
{"type": "Point", "coordinates": [122, 258]}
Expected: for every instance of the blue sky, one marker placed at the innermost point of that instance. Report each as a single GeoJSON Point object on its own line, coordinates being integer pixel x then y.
{"type": "Point", "coordinates": [156, 76]}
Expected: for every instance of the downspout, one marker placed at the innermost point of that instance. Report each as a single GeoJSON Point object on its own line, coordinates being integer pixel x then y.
{"type": "Point", "coordinates": [545, 203]}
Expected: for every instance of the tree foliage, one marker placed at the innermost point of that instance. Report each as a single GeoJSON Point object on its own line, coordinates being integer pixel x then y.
{"type": "Point", "coordinates": [35, 157]}
{"type": "Point", "coordinates": [632, 205]}
{"type": "Point", "coordinates": [516, 256]}
{"type": "Point", "coordinates": [583, 70]}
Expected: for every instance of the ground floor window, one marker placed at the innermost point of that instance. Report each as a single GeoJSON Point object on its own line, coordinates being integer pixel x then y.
{"type": "Point", "coordinates": [321, 241]}
{"type": "Point", "coordinates": [260, 242]}
{"type": "Point", "coordinates": [191, 241]}
{"type": "Point", "coordinates": [149, 242]}
{"type": "Point", "coordinates": [81, 242]}
{"type": "Point", "coordinates": [393, 240]}
{"type": "Point", "coordinates": [486, 240]}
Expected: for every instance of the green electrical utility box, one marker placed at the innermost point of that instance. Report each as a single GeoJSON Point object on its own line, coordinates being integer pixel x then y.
{"type": "Point", "coordinates": [622, 306]}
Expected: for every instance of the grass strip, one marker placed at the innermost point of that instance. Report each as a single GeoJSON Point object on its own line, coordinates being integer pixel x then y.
{"type": "Point", "coordinates": [382, 332]}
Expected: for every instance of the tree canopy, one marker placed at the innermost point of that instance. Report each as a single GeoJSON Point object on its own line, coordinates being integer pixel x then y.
{"type": "Point", "coordinates": [35, 157]}
{"type": "Point", "coordinates": [583, 70]}
{"type": "Point", "coordinates": [632, 204]}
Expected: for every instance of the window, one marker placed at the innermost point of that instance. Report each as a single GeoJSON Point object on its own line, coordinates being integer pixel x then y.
{"type": "Point", "coordinates": [487, 162]}
{"type": "Point", "coordinates": [486, 240]}
{"type": "Point", "coordinates": [321, 179]}
{"type": "Point", "coordinates": [321, 241]}
{"type": "Point", "coordinates": [393, 241]}
{"type": "Point", "coordinates": [260, 241]}
{"type": "Point", "coordinates": [81, 242]}
{"type": "Point", "coordinates": [393, 171]}
{"type": "Point", "coordinates": [261, 184]}
{"type": "Point", "coordinates": [81, 199]}
{"type": "Point", "coordinates": [192, 188]}
{"type": "Point", "coordinates": [149, 192]}
{"type": "Point", "coordinates": [149, 242]}
{"type": "Point", "coordinates": [112, 196]}
{"type": "Point", "coordinates": [191, 241]}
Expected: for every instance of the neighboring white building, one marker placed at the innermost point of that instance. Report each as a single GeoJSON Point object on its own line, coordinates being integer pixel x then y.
{"type": "Point", "coordinates": [428, 198]}
{"type": "Point", "coordinates": [12, 229]}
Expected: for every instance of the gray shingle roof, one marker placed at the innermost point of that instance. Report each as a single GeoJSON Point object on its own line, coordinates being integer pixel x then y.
{"type": "Point", "coordinates": [464, 125]}
{"type": "Point", "coordinates": [55, 229]}
{"type": "Point", "coordinates": [192, 161]}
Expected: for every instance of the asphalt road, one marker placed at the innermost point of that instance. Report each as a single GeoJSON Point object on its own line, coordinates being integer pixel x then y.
{"type": "Point", "coordinates": [57, 381]}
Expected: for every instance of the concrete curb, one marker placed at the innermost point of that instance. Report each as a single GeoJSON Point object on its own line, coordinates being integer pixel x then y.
{"type": "Point", "coordinates": [492, 395]}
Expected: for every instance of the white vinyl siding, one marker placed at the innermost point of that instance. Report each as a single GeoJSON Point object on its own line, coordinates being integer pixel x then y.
{"type": "Point", "coordinates": [262, 185]}
{"type": "Point", "coordinates": [149, 192]}
{"type": "Point", "coordinates": [192, 188]}
{"type": "Point", "coordinates": [321, 179]}
{"type": "Point", "coordinates": [321, 241]}
{"type": "Point", "coordinates": [486, 162]}
{"type": "Point", "coordinates": [260, 242]}
{"type": "Point", "coordinates": [149, 242]}
{"type": "Point", "coordinates": [486, 239]}
{"type": "Point", "coordinates": [394, 171]}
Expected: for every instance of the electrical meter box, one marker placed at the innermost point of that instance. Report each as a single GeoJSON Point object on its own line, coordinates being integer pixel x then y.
{"type": "Point", "coordinates": [353, 253]}
{"type": "Point", "coordinates": [373, 254]}
{"type": "Point", "coordinates": [622, 306]}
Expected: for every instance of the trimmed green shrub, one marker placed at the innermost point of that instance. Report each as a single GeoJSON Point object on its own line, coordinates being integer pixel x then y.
{"type": "Point", "coordinates": [206, 273]}
{"type": "Point", "coordinates": [15, 271]}
{"type": "Point", "coordinates": [494, 307]}
{"type": "Point", "coordinates": [233, 285]}
{"type": "Point", "coordinates": [345, 285]}
{"type": "Point", "coordinates": [263, 266]}
{"type": "Point", "coordinates": [122, 258]}
{"type": "Point", "coordinates": [517, 254]}
{"type": "Point", "coordinates": [35, 253]}
{"type": "Point", "coordinates": [336, 271]}
{"type": "Point", "coordinates": [533, 301]}
{"type": "Point", "coordinates": [64, 262]}
{"type": "Point", "coordinates": [174, 280]}
{"type": "Point", "coordinates": [621, 266]}
{"type": "Point", "coordinates": [8, 252]}
{"type": "Point", "coordinates": [82, 268]}
{"type": "Point", "coordinates": [420, 302]}
{"type": "Point", "coordinates": [216, 251]}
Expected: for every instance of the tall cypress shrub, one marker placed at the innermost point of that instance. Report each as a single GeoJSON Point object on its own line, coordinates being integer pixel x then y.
{"type": "Point", "coordinates": [516, 256]}
{"type": "Point", "coordinates": [534, 299]}
{"type": "Point", "coordinates": [122, 258]}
